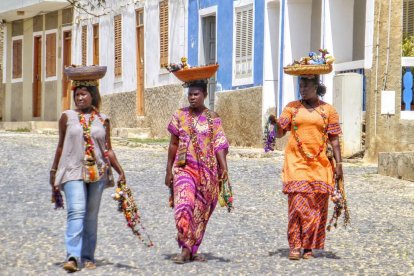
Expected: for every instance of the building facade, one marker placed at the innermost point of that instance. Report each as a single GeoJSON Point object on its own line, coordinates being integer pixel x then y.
{"type": "Point", "coordinates": [135, 41]}
{"type": "Point", "coordinates": [32, 64]}
{"type": "Point", "coordinates": [231, 33]}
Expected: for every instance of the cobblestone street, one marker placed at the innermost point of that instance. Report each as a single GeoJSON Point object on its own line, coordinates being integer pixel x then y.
{"type": "Point", "coordinates": [251, 240]}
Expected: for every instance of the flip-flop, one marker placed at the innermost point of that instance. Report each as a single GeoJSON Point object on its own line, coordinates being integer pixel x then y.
{"type": "Point", "coordinates": [199, 258]}
{"type": "Point", "coordinates": [308, 255]}
{"type": "Point", "coordinates": [179, 259]}
{"type": "Point", "coordinates": [294, 254]}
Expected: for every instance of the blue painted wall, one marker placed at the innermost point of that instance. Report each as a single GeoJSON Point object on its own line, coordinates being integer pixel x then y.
{"type": "Point", "coordinates": [224, 21]}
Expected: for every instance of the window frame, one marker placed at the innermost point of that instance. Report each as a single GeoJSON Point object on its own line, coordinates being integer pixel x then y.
{"type": "Point", "coordinates": [84, 51]}
{"type": "Point", "coordinates": [117, 76]}
{"type": "Point", "coordinates": [19, 79]}
{"type": "Point", "coordinates": [44, 58]}
{"type": "Point", "coordinates": [161, 64]}
{"type": "Point", "coordinates": [242, 5]}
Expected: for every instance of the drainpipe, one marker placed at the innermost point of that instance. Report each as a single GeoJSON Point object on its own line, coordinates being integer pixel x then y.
{"type": "Point", "coordinates": [388, 46]}
{"type": "Point", "coordinates": [281, 53]}
{"type": "Point", "coordinates": [376, 69]}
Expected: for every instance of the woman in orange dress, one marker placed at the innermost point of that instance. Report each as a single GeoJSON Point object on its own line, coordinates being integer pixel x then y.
{"type": "Point", "coordinates": [308, 176]}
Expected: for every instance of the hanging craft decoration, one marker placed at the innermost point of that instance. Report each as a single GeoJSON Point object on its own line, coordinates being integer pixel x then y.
{"type": "Point", "coordinates": [341, 206]}
{"type": "Point", "coordinates": [127, 205]}
{"type": "Point", "coordinates": [313, 64]}
{"type": "Point", "coordinates": [269, 136]}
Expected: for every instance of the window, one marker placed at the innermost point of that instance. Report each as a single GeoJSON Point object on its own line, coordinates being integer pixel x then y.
{"type": "Point", "coordinates": [118, 45]}
{"type": "Point", "coordinates": [84, 44]}
{"type": "Point", "coordinates": [17, 58]}
{"type": "Point", "coordinates": [96, 44]}
{"type": "Point", "coordinates": [164, 33]}
{"type": "Point", "coordinates": [408, 18]}
{"type": "Point", "coordinates": [244, 43]}
{"type": "Point", "coordinates": [51, 55]}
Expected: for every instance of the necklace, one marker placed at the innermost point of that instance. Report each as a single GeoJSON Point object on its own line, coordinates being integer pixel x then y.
{"type": "Point", "coordinates": [308, 155]}
{"type": "Point", "coordinates": [210, 162]}
{"type": "Point", "coordinates": [86, 126]}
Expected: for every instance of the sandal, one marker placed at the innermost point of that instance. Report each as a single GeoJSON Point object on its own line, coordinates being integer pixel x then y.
{"type": "Point", "coordinates": [308, 254]}
{"type": "Point", "coordinates": [70, 266]}
{"type": "Point", "coordinates": [89, 265]}
{"type": "Point", "coordinates": [199, 258]}
{"type": "Point", "coordinates": [294, 254]}
{"type": "Point", "coordinates": [179, 259]}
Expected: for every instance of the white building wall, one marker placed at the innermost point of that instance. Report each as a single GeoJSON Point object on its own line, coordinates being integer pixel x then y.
{"type": "Point", "coordinates": [297, 41]}
{"type": "Point", "coordinates": [271, 56]}
{"type": "Point", "coordinates": [154, 75]}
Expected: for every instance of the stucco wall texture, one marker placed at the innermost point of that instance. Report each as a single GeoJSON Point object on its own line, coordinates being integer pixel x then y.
{"type": "Point", "coordinates": [121, 109]}
{"type": "Point", "coordinates": [241, 114]}
{"type": "Point", "coordinates": [387, 133]}
{"type": "Point", "coordinates": [160, 104]}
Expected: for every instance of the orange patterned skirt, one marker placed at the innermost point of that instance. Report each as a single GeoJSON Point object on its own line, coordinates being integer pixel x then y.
{"type": "Point", "coordinates": [308, 214]}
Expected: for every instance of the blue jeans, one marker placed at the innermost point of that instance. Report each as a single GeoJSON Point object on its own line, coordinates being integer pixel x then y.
{"type": "Point", "coordinates": [82, 202]}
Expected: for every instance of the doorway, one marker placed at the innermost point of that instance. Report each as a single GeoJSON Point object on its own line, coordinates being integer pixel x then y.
{"type": "Point", "coordinates": [37, 77]}
{"type": "Point", "coordinates": [66, 87]}
{"type": "Point", "coordinates": [209, 54]}
{"type": "Point", "coordinates": [140, 61]}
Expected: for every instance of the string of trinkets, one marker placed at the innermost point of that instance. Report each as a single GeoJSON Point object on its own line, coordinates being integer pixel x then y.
{"type": "Point", "coordinates": [128, 206]}
{"type": "Point", "coordinates": [308, 155]}
{"type": "Point", "coordinates": [211, 162]}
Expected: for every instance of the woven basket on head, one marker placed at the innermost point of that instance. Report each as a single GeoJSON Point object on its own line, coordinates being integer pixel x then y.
{"type": "Point", "coordinates": [93, 72]}
{"type": "Point", "coordinates": [196, 73]}
{"type": "Point", "coordinates": [299, 69]}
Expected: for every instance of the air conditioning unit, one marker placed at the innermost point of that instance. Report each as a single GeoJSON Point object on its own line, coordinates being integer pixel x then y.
{"type": "Point", "coordinates": [347, 99]}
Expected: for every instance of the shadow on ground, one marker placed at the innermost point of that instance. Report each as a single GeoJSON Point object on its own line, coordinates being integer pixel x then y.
{"type": "Point", "coordinates": [105, 262]}
{"type": "Point", "coordinates": [207, 256]}
{"type": "Point", "coordinates": [284, 253]}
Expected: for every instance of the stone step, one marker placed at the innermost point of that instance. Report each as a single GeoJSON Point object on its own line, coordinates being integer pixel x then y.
{"type": "Point", "coordinates": [140, 132]}
{"type": "Point", "coordinates": [30, 126]}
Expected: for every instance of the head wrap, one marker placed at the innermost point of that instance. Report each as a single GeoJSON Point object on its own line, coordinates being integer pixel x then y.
{"type": "Point", "coordinates": [77, 83]}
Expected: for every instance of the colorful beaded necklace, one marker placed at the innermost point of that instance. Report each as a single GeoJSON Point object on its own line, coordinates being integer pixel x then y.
{"type": "Point", "coordinates": [86, 126]}
{"type": "Point", "coordinates": [210, 162]}
{"type": "Point", "coordinates": [89, 144]}
{"type": "Point", "coordinates": [308, 155]}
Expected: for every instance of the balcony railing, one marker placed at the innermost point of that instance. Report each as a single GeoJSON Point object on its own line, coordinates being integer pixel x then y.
{"type": "Point", "coordinates": [407, 104]}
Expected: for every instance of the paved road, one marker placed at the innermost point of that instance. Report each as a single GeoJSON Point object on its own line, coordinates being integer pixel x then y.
{"type": "Point", "coordinates": [252, 240]}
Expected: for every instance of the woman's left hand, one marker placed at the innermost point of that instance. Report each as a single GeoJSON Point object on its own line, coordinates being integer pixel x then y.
{"type": "Point", "coordinates": [121, 178]}
{"type": "Point", "coordinates": [339, 174]}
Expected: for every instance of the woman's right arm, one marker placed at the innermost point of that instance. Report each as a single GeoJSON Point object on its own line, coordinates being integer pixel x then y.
{"type": "Point", "coordinates": [62, 132]}
{"type": "Point", "coordinates": [172, 151]}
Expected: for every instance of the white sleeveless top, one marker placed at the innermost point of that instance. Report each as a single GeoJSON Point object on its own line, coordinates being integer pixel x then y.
{"type": "Point", "coordinates": [73, 153]}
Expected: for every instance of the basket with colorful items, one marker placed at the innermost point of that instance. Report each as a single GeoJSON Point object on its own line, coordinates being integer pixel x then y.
{"type": "Point", "coordinates": [184, 72]}
{"type": "Point", "coordinates": [313, 64]}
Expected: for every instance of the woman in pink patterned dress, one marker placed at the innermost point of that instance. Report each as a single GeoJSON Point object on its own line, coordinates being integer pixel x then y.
{"type": "Point", "coordinates": [196, 161]}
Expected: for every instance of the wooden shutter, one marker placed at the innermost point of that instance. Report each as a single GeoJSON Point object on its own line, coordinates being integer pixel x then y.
{"type": "Point", "coordinates": [244, 42]}
{"type": "Point", "coordinates": [96, 44]}
{"type": "Point", "coordinates": [51, 55]}
{"type": "Point", "coordinates": [17, 58]}
{"type": "Point", "coordinates": [164, 33]}
{"type": "Point", "coordinates": [118, 45]}
{"type": "Point", "coordinates": [408, 17]}
{"type": "Point", "coordinates": [84, 45]}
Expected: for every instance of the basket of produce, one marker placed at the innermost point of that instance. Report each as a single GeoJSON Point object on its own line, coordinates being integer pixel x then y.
{"type": "Point", "coordinates": [186, 74]}
{"type": "Point", "coordinates": [311, 65]}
